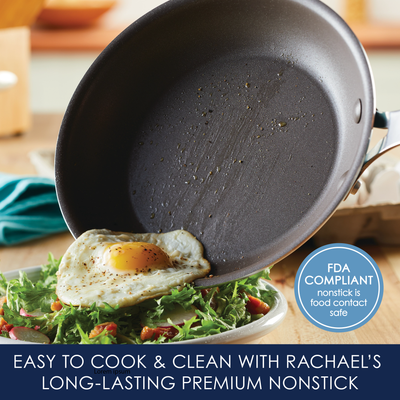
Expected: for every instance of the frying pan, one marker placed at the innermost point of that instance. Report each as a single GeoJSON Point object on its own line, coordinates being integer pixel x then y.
{"type": "Point", "coordinates": [245, 123]}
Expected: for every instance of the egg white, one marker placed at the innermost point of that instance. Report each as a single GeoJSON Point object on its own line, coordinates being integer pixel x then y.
{"type": "Point", "coordinates": [84, 278]}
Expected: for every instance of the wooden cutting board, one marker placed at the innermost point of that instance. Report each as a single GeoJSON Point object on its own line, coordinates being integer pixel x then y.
{"type": "Point", "coordinates": [15, 114]}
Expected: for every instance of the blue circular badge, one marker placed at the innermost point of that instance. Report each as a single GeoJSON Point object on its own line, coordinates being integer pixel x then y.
{"type": "Point", "coordinates": [338, 287]}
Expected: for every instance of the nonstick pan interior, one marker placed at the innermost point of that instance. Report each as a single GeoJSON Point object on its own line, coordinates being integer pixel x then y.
{"type": "Point", "coordinates": [239, 124]}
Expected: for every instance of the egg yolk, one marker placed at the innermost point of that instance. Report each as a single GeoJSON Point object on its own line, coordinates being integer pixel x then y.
{"type": "Point", "coordinates": [138, 257]}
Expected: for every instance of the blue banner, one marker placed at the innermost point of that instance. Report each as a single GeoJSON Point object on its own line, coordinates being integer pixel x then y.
{"type": "Point", "coordinates": [284, 371]}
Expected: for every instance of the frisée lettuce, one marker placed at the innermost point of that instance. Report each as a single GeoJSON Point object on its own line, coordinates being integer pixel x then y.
{"type": "Point", "coordinates": [207, 311]}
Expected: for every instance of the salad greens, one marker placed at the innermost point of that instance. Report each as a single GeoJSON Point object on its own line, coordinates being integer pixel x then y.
{"type": "Point", "coordinates": [217, 310]}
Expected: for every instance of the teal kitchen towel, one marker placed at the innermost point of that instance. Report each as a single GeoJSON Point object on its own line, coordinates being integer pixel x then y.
{"type": "Point", "coordinates": [28, 209]}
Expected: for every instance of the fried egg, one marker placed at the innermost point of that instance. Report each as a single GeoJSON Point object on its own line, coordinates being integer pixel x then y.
{"type": "Point", "coordinates": [124, 269]}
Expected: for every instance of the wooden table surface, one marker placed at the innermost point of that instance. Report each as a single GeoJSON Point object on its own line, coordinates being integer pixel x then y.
{"type": "Point", "coordinates": [383, 328]}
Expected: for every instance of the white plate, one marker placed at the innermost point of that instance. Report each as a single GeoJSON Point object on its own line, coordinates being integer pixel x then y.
{"type": "Point", "coordinates": [244, 334]}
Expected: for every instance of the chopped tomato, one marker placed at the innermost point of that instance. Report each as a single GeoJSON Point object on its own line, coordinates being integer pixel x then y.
{"type": "Point", "coordinates": [154, 333]}
{"type": "Point", "coordinates": [4, 327]}
{"type": "Point", "coordinates": [111, 327]}
{"type": "Point", "coordinates": [256, 306]}
{"type": "Point", "coordinates": [56, 306]}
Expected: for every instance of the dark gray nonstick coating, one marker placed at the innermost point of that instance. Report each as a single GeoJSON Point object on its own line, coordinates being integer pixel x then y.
{"type": "Point", "coordinates": [240, 124]}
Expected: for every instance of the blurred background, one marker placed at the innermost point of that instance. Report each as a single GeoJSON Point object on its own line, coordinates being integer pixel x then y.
{"type": "Point", "coordinates": [62, 52]}
{"type": "Point", "coordinates": [64, 46]}
{"type": "Point", "coordinates": [50, 44]}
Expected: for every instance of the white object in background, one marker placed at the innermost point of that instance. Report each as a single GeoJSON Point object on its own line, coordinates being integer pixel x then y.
{"type": "Point", "coordinates": [7, 79]}
{"type": "Point", "coordinates": [382, 11]}
{"type": "Point", "coordinates": [370, 174]}
{"type": "Point", "coordinates": [384, 189]}
{"type": "Point", "coordinates": [337, 5]}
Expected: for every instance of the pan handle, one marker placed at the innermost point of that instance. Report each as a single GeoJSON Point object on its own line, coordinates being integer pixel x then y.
{"type": "Point", "coordinates": [390, 121]}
